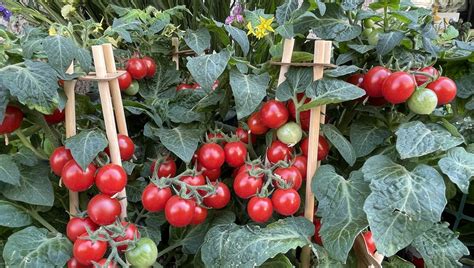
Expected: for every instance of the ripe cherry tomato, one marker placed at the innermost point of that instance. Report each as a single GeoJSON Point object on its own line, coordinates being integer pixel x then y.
{"type": "Point", "coordinates": [73, 263]}
{"type": "Point", "coordinates": [423, 101]}
{"type": "Point", "coordinates": [103, 210]}
{"type": "Point", "coordinates": [211, 174]}
{"type": "Point", "coordinates": [144, 253]}
{"type": "Point", "coordinates": [77, 226]}
{"type": "Point", "coordinates": [195, 180]}
{"type": "Point", "coordinates": [59, 158]}
{"type": "Point", "coordinates": [374, 79]}
{"type": "Point", "coordinates": [290, 133]}
{"type": "Point", "coordinates": [235, 153]}
{"type": "Point", "coordinates": [11, 120]}
{"type": "Point", "coordinates": [76, 179]}
{"type": "Point", "coordinates": [103, 261]}
{"type": "Point", "coordinates": [300, 162]}
{"type": "Point", "coordinates": [304, 116]}
{"type": "Point", "coordinates": [286, 201]}
{"type": "Point", "coordinates": [444, 88]}
{"type": "Point", "coordinates": [125, 80]}
{"type": "Point", "coordinates": [418, 262]}
{"type": "Point", "coordinates": [151, 66]}
{"type": "Point", "coordinates": [246, 167]}
{"type": "Point", "coordinates": [278, 151]}
{"type": "Point", "coordinates": [398, 87]}
{"type": "Point", "coordinates": [127, 147]}
{"type": "Point", "coordinates": [56, 117]}
{"type": "Point", "coordinates": [317, 228]}
{"type": "Point", "coordinates": [260, 209]}
{"type": "Point", "coordinates": [243, 135]}
{"type": "Point", "coordinates": [137, 68]}
{"type": "Point", "coordinates": [131, 232]}
{"type": "Point", "coordinates": [165, 169]}
{"type": "Point", "coordinates": [111, 179]}
{"type": "Point", "coordinates": [200, 215]}
{"type": "Point", "coordinates": [220, 198]}
{"type": "Point", "coordinates": [179, 212]}
{"type": "Point", "coordinates": [86, 251]}
{"type": "Point", "coordinates": [256, 125]}
{"type": "Point", "coordinates": [274, 114]}
{"type": "Point", "coordinates": [183, 87]}
{"type": "Point", "coordinates": [216, 137]}
{"type": "Point", "coordinates": [369, 241]}
{"type": "Point", "coordinates": [356, 79]}
{"type": "Point", "coordinates": [154, 199]}
{"type": "Point", "coordinates": [291, 175]}
{"type": "Point", "coordinates": [246, 186]}
{"type": "Point", "coordinates": [211, 155]}
{"type": "Point", "coordinates": [323, 148]}
{"type": "Point", "coordinates": [421, 79]}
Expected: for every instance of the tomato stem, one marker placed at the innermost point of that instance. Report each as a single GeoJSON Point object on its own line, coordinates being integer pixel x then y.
{"type": "Point", "coordinates": [27, 143]}
{"type": "Point", "coordinates": [168, 249]}
{"type": "Point", "coordinates": [38, 218]}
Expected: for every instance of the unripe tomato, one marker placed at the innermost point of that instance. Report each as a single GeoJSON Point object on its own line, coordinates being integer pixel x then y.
{"type": "Point", "coordinates": [125, 80]}
{"type": "Point", "coordinates": [78, 226]}
{"type": "Point", "coordinates": [151, 66]}
{"type": "Point", "coordinates": [304, 115]}
{"type": "Point", "coordinates": [165, 169]}
{"type": "Point", "coordinates": [179, 212]}
{"type": "Point", "coordinates": [111, 179]}
{"type": "Point", "coordinates": [235, 153]}
{"type": "Point", "coordinates": [356, 79]}
{"type": "Point", "coordinates": [243, 135]}
{"type": "Point", "coordinates": [246, 186]}
{"type": "Point", "coordinates": [369, 241]}
{"type": "Point", "coordinates": [278, 151]}
{"type": "Point", "coordinates": [137, 68]}
{"type": "Point", "coordinates": [256, 125]}
{"type": "Point", "coordinates": [56, 117]}
{"type": "Point", "coordinates": [131, 232]}
{"type": "Point", "coordinates": [183, 87]}
{"type": "Point", "coordinates": [200, 215]}
{"type": "Point", "coordinates": [422, 79]}
{"type": "Point", "coordinates": [76, 179]}
{"type": "Point", "coordinates": [144, 253]}
{"type": "Point", "coordinates": [286, 201]}
{"type": "Point", "coordinates": [103, 210]}
{"type": "Point", "coordinates": [11, 120]}
{"type": "Point", "coordinates": [154, 199]}
{"type": "Point", "coordinates": [291, 176]}
{"type": "Point", "coordinates": [86, 251]}
{"type": "Point", "coordinates": [372, 36]}
{"type": "Point", "coordinates": [133, 89]}
{"type": "Point", "coordinates": [423, 101]}
{"type": "Point", "coordinates": [374, 79]}
{"type": "Point", "coordinates": [220, 198]}
{"type": "Point", "coordinates": [211, 156]}
{"type": "Point", "coordinates": [398, 87]}
{"type": "Point", "coordinates": [369, 23]}
{"type": "Point", "coordinates": [323, 147]}
{"type": "Point", "coordinates": [300, 162]}
{"type": "Point", "coordinates": [260, 209]}
{"type": "Point", "coordinates": [444, 88]}
{"type": "Point", "coordinates": [59, 158]}
{"type": "Point", "coordinates": [274, 114]}
{"type": "Point", "coordinates": [290, 133]}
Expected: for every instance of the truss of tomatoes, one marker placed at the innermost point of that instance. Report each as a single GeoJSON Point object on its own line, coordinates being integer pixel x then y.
{"type": "Point", "coordinates": [136, 69]}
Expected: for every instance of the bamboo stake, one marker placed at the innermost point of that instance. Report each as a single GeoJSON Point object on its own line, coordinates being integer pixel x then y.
{"type": "Point", "coordinates": [322, 54]}
{"type": "Point", "coordinates": [108, 113]}
{"type": "Point", "coordinates": [175, 44]}
{"type": "Point", "coordinates": [70, 124]}
{"type": "Point", "coordinates": [288, 45]}
{"type": "Point", "coordinates": [115, 90]}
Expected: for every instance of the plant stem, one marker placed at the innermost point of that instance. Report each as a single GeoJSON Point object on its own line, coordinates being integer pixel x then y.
{"type": "Point", "coordinates": [43, 222]}
{"type": "Point", "coordinates": [385, 18]}
{"type": "Point", "coordinates": [168, 249]}
{"type": "Point", "coordinates": [28, 144]}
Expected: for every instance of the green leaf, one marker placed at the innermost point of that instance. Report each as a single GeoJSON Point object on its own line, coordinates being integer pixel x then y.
{"type": "Point", "coordinates": [335, 25]}
{"type": "Point", "coordinates": [362, 49]}
{"type": "Point", "coordinates": [182, 140]}
{"type": "Point", "coordinates": [324, 260]}
{"type": "Point", "coordinates": [344, 147]}
{"type": "Point", "coordinates": [416, 139]}
{"type": "Point", "coordinates": [397, 262]}
{"type": "Point", "coordinates": [60, 51]}
{"type": "Point", "coordinates": [31, 41]}
{"type": "Point", "coordinates": [388, 41]}
{"type": "Point", "coordinates": [4, 100]}
{"type": "Point", "coordinates": [345, 58]}
{"type": "Point", "coordinates": [331, 91]}
{"type": "Point", "coordinates": [86, 145]}
{"type": "Point", "coordinates": [123, 28]}
{"type": "Point", "coordinates": [13, 216]}
{"type": "Point", "coordinates": [35, 187]}
{"type": "Point", "coordinates": [83, 57]}
{"type": "Point", "coordinates": [341, 71]}
{"type": "Point", "coordinates": [249, 91]}
{"type": "Point", "coordinates": [198, 40]}
{"type": "Point", "coordinates": [429, 46]}
{"type": "Point", "coordinates": [35, 85]}
{"type": "Point", "coordinates": [34, 247]}
{"type": "Point", "coordinates": [183, 108]}
{"type": "Point", "coordinates": [284, 12]}
{"type": "Point", "coordinates": [9, 172]}
{"type": "Point", "coordinates": [286, 31]}
{"type": "Point", "coordinates": [458, 165]}
{"type": "Point", "coordinates": [366, 137]}
{"type": "Point", "coordinates": [240, 37]}
{"type": "Point", "coordinates": [135, 189]}
{"type": "Point", "coordinates": [206, 69]}
{"type": "Point", "coordinates": [340, 205]}
{"type": "Point", "coordinates": [279, 261]}
{"type": "Point", "coordinates": [402, 204]}
{"type": "Point", "coordinates": [166, 79]}
{"type": "Point", "coordinates": [25, 157]}
{"type": "Point", "coordinates": [232, 245]}
{"type": "Point", "coordinates": [351, 4]}
{"type": "Point", "coordinates": [297, 80]}
{"type": "Point", "coordinates": [464, 45]}
{"type": "Point", "coordinates": [440, 247]}
{"type": "Point", "coordinates": [464, 86]}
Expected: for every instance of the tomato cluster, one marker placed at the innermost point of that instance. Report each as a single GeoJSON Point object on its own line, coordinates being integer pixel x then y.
{"type": "Point", "coordinates": [136, 69]}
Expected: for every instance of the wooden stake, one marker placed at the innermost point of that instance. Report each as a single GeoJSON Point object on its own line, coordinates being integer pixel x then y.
{"type": "Point", "coordinates": [288, 45]}
{"type": "Point", "coordinates": [322, 54]}
{"type": "Point", "coordinates": [70, 123]}
{"type": "Point", "coordinates": [108, 113]}
{"type": "Point", "coordinates": [364, 257]}
{"type": "Point", "coordinates": [115, 90]}
{"type": "Point", "coordinates": [175, 44]}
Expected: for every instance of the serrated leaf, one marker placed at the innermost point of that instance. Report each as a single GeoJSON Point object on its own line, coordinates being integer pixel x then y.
{"type": "Point", "coordinates": [123, 28]}
{"type": "Point", "coordinates": [345, 58]}
{"type": "Point", "coordinates": [344, 147]}
{"type": "Point", "coordinates": [366, 137]}
{"type": "Point", "coordinates": [31, 41]}
{"type": "Point", "coordinates": [297, 80]}
{"type": "Point", "coordinates": [402, 204]}
{"type": "Point", "coordinates": [362, 49]}
{"type": "Point", "coordinates": [325, 261]}
{"type": "Point", "coordinates": [240, 37]}
{"type": "Point", "coordinates": [60, 50]}
{"type": "Point", "coordinates": [135, 189]}
{"type": "Point", "coordinates": [458, 165]}
{"type": "Point", "coordinates": [440, 247]}
{"type": "Point", "coordinates": [206, 69]}
{"type": "Point", "coordinates": [283, 12]}
{"type": "Point", "coordinates": [341, 71]}
{"type": "Point", "coordinates": [4, 100]}
{"type": "Point", "coordinates": [351, 4]}
{"type": "Point", "coordinates": [429, 46]}
{"type": "Point", "coordinates": [279, 261]}
{"type": "Point", "coordinates": [128, 166]}
{"type": "Point", "coordinates": [13, 216]}
{"type": "Point", "coordinates": [464, 86]}
{"type": "Point", "coordinates": [248, 90]}
{"type": "Point", "coordinates": [25, 157]}
{"type": "Point", "coordinates": [341, 208]}
{"type": "Point", "coordinates": [86, 145]}
{"type": "Point", "coordinates": [388, 41]}
{"type": "Point", "coordinates": [286, 31]}
{"type": "Point", "coordinates": [9, 172]}
{"type": "Point", "coordinates": [335, 25]}
{"type": "Point", "coordinates": [397, 262]}
{"type": "Point", "coordinates": [182, 141]}
{"type": "Point", "coordinates": [83, 57]}
{"type": "Point", "coordinates": [232, 245]}
{"type": "Point", "coordinates": [198, 40]}
{"type": "Point", "coordinates": [331, 91]}
{"type": "Point", "coordinates": [165, 80]}
{"type": "Point", "coordinates": [34, 247]}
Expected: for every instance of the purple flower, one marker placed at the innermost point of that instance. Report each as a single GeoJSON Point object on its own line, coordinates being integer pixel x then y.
{"type": "Point", "coordinates": [229, 20]}
{"type": "Point", "coordinates": [2, 8]}
{"type": "Point", "coordinates": [7, 14]}
{"type": "Point", "coordinates": [239, 18]}
{"type": "Point", "coordinates": [237, 10]}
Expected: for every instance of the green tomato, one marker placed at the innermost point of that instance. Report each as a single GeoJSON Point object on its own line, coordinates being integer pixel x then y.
{"type": "Point", "coordinates": [423, 101]}
{"type": "Point", "coordinates": [48, 146]}
{"type": "Point", "coordinates": [369, 23]}
{"type": "Point", "coordinates": [373, 37]}
{"type": "Point", "coordinates": [144, 253]}
{"type": "Point", "coordinates": [290, 133]}
{"type": "Point", "coordinates": [132, 90]}
{"type": "Point", "coordinates": [366, 32]}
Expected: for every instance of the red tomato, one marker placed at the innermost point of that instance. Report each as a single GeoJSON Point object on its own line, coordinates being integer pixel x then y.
{"type": "Point", "coordinates": [418, 262]}
{"type": "Point", "coordinates": [56, 117]}
{"type": "Point", "coordinates": [304, 116]}
{"type": "Point", "coordinates": [150, 65]}
{"type": "Point", "coordinates": [300, 162]}
{"type": "Point", "coordinates": [183, 87]}
{"type": "Point", "coordinates": [11, 120]}
{"type": "Point", "coordinates": [77, 226]}
{"type": "Point", "coordinates": [137, 68]}
{"type": "Point", "coordinates": [356, 79]}
{"type": "Point", "coordinates": [421, 79]}
{"type": "Point", "coordinates": [103, 261]}
{"type": "Point", "coordinates": [154, 199]}
{"type": "Point", "coordinates": [369, 242]}
{"type": "Point", "coordinates": [246, 167]}
{"type": "Point", "coordinates": [86, 251]}
{"type": "Point", "coordinates": [398, 87]}
{"type": "Point", "coordinates": [317, 228]}
{"type": "Point", "coordinates": [179, 212]}
{"type": "Point", "coordinates": [111, 179]}
{"type": "Point", "coordinates": [131, 232]}
{"type": "Point", "coordinates": [61, 83]}
{"type": "Point", "coordinates": [211, 156]}
{"type": "Point", "coordinates": [256, 125]}
{"type": "Point", "coordinates": [211, 174]}
{"type": "Point", "coordinates": [260, 209]}
{"type": "Point", "coordinates": [73, 263]}
{"type": "Point", "coordinates": [220, 198]}
{"type": "Point", "coordinates": [291, 175]}
{"type": "Point", "coordinates": [278, 151]}
{"type": "Point", "coordinates": [200, 215]}
{"type": "Point", "coordinates": [323, 147]}
{"type": "Point", "coordinates": [59, 158]}
{"type": "Point", "coordinates": [216, 137]}
{"type": "Point", "coordinates": [246, 186]}
{"type": "Point", "coordinates": [243, 135]}
{"type": "Point", "coordinates": [235, 153]}
{"type": "Point", "coordinates": [125, 80]}
{"type": "Point", "coordinates": [444, 88]}
{"type": "Point", "coordinates": [274, 114]}
{"type": "Point", "coordinates": [76, 179]}
{"type": "Point", "coordinates": [194, 180]}
{"type": "Point", "coordinates": [126, 146]}
{"type": "Point", "coordinates": [165, 169]}
{"type": "Point", "coordinates": [103, 210]}
{"type": "Point", "coordinates": [373, 81]}
{"type": "Point", "coordinates": [286, 201]}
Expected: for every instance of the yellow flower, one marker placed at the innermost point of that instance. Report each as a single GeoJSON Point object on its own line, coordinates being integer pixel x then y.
{"type": "Point", "coordinates": [52, 31]}
{"type": "Point", "coordinates": [250, 29]}
{"type": "Point", "coordinates": [266, 24]}
{"type": "Point", "coordinates": [260, 33]}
